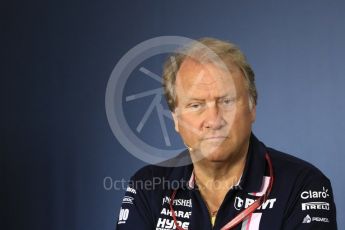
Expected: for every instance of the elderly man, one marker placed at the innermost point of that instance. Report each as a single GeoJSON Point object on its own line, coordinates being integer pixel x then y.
{"type": "Point", "coordinates": [233, 180]}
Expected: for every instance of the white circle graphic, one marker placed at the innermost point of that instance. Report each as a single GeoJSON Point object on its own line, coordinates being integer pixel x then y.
{"type": "Point", "coordinates": [114, 98]}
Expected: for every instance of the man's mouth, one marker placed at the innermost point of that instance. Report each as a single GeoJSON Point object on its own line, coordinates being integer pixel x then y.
{"type": "Point", "coordinates": [215, 138]}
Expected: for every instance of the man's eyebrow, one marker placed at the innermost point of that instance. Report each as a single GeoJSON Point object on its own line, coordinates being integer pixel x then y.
{"type": "Point", "coordinates": [217, 98]}
{"type": "Point", "coordinates": [227, 96]}
{"type": "Point", "coordinates": [194, 99]}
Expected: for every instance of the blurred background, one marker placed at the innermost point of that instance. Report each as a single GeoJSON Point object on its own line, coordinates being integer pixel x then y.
{"type": "Point", "coordinates": [59, 157]}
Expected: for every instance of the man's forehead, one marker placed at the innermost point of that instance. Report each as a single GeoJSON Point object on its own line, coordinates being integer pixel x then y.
{"type": "Point", "coordinates": [193, 62]}
{"type": "Point", "coordinates": [204, 74]}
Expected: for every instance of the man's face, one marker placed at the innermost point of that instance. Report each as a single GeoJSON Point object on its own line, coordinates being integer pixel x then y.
{"type": "Point", "coordinates": [212, 114]}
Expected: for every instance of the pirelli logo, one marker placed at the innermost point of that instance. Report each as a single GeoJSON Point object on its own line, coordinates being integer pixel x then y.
{"type": "Point", "coordinates": [315, 206]}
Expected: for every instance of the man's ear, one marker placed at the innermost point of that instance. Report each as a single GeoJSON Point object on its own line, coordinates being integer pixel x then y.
{"type": "Point", "coordinates": [253, 113]}
{"type": "Point", "coordinates": [174, 115]}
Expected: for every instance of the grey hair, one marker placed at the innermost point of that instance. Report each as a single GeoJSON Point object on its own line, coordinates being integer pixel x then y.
{"type": "Point", "coordinates": [207, 49]}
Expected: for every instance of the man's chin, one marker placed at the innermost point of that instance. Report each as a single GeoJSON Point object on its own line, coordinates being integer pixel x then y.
{"type": "Point", "coordinates": [214, 154]}
{"type": "Point", "coordinates": [216, 158]}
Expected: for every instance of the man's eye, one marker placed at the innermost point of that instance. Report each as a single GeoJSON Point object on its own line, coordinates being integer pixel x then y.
{"type": "Point", "coordinates": [194, 106]}
{"type": "Point", "coordinates": [227, 101]}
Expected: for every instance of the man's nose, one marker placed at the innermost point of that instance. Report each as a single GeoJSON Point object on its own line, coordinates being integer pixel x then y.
{"type": "Point", "coordinates": [213, 117]}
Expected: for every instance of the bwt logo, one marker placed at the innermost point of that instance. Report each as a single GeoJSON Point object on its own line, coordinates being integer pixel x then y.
{"type": "Point", "coordinates": [240, 203]}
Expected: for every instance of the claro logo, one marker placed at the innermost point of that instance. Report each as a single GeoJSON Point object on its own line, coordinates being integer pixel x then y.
{"type": "Point", "coordinates": [315, 194]}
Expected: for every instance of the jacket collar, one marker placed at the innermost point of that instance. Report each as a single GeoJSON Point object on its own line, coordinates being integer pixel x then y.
{"type": "Point", "coordinates": [251, 180]}
{"type": "Point", "coordinates": [254, 169]}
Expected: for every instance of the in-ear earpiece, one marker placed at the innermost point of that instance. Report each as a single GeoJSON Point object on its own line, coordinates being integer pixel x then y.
{"type": "Point", "coordinates": [189, 148]}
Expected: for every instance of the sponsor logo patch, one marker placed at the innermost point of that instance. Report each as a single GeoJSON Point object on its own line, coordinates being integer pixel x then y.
{"type": "Point", "coordinates": [178, 202]}
{"type": "Point", "coordinates": [127, 200]}
{"type": "Point", "coordinates": [245, 203]}
{"type": "Point", "coordinates": [315, 206]}
{"type": "Point", "coordinates": [123, 216]}
{"type": "Point", "coordinates": [310, 194]}
{"type": "Point", "coordinates": [180, 214]}
{"type": "Point", "coordinates": [131, 190]}
{"type": "Point", "coordinates": [167, 224]}
{"type": "Point", "coordinates": [307, 219]}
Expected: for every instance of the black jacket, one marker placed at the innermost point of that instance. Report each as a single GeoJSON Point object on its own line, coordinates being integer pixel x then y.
{"type": "Point", "coordinates": [301, 196]}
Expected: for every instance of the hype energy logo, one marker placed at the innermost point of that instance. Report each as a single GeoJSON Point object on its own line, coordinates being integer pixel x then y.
{"type": "Point", "coordinates": [135, 104]}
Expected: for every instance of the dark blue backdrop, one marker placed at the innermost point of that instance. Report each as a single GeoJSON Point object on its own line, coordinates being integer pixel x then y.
{"type": "Point", "coordinates": [57, 56]}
